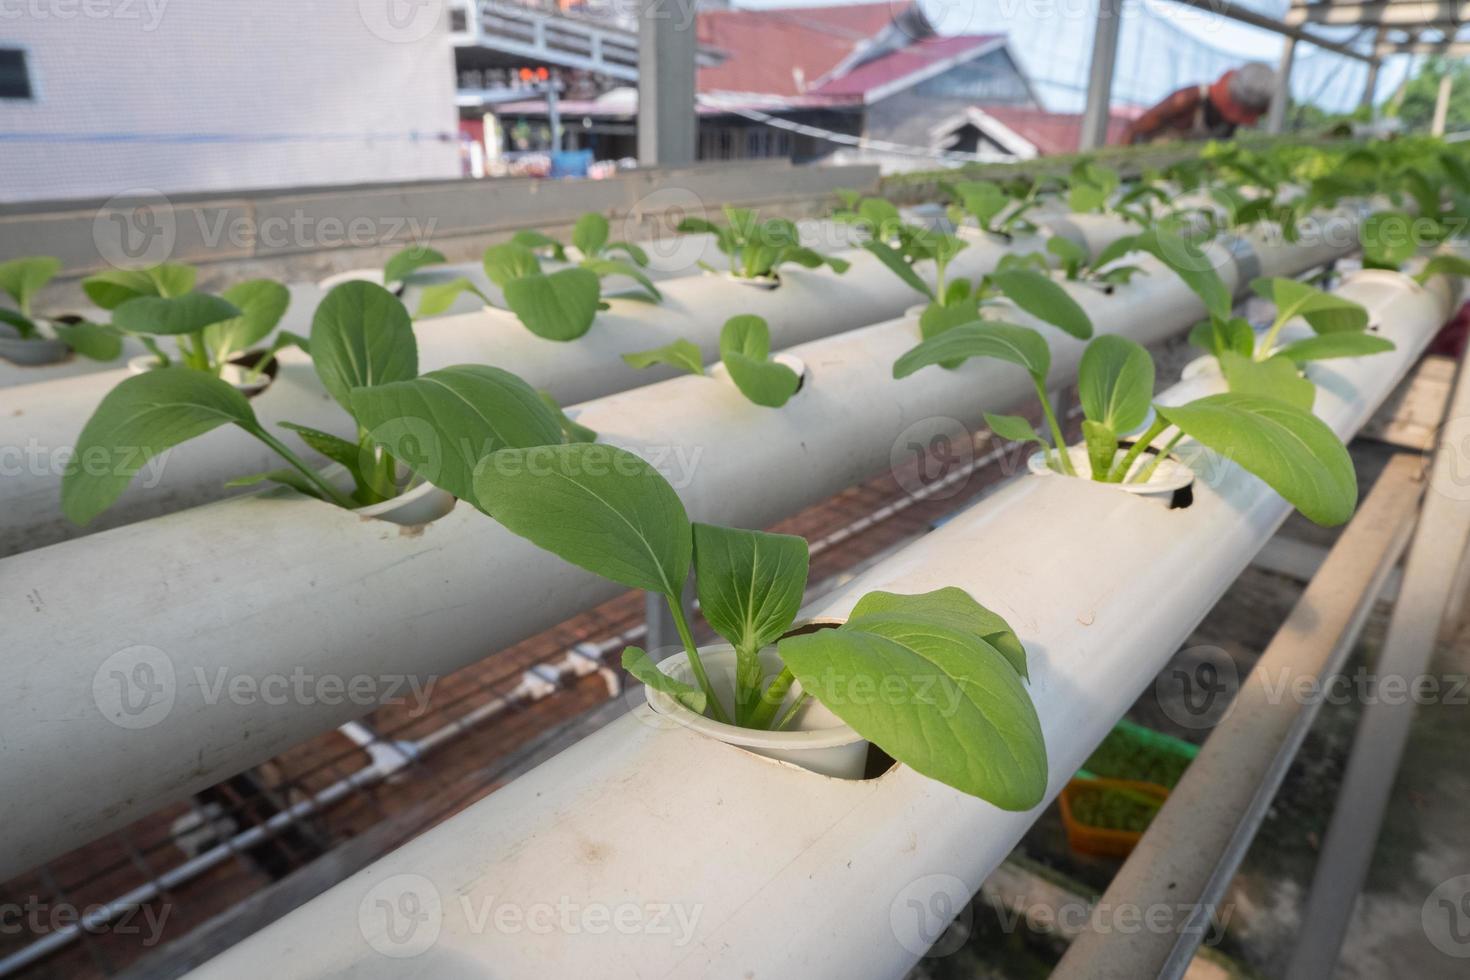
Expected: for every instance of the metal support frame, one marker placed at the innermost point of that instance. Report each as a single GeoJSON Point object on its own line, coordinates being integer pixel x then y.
{"type": "Point", "coordinates": [1390, 13]}
{"type": "Point", "coordinates": [1244, 15]}
{"type": "Point", "coordinates": [1281, 98]}
{"type": "Point", "coordinates": [1191, 850]}
{"type": "Point", "coordinates": [1442, 104]}
{"type": "Point", "coordinates": [1433, 573]}
{"type": "Point", "coordinates": [1100, 76]}
{"type": "Point", "coordinates": [667, 123]}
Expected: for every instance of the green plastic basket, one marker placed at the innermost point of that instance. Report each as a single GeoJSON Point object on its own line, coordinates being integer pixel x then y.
{"type": "Point", "coordinates": [1163, 757]}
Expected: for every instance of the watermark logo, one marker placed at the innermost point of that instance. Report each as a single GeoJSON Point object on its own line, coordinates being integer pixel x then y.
{"type": "Point", "coordinates": [401, 21]}
{"type": "Point", "coordinates": [135, 687]}
{"type": "Point", "coordinates": [1197, 687]}
{"type": "Point", "coordinates": [654, 222]}
{"type": "Point", "coordinates": [932, 457]}
{"type": "Point", "coordinates": [1445, 917]}
{"type": "Point", "coordinates": [1452, 479]}
{"type": "Point", "coordinates": [135, 228]}
{"type": "Point", "coordinates": [401, 916]}
{"type": "Point", "coordinates": [147, 14]}
{"type": "Point", "coordinates": [931, 916]}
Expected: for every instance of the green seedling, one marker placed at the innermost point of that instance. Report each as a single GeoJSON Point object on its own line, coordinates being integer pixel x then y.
{"type": "Point", "coordinates": [745, 350]}
{"type": "Point", "coordinates": [21, 280]}
{"type": "Point", "coordinates": [757, 249]}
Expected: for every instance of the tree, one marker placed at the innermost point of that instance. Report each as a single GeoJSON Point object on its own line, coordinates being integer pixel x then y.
{"type": "Point", "coordinates": [1414, 101]}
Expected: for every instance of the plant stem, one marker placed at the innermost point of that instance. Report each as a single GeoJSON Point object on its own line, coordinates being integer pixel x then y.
{"type": "Point", "coordinates": [771, 700]}
{"type": "Point", "coordinates": [1063, 457]}
{"type": "Point", "coordinates": [1120, 469]}
{"type": "Point", "coordinates": [790, 714]}
{"type": "Point", "coordinates": [1269, 341]}
{"type": "Point", "coordinates": [330, 492]}
{"type": "Point", "coordinates": [681, 623]}
{"type": "Point", "coordinates": [1148, 471]}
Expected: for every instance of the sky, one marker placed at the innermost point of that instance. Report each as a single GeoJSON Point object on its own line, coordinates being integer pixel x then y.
{"type": "Point", "coordinates": [1163, 46]}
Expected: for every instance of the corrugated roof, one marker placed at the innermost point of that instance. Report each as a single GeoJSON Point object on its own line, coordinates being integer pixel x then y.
{"type": "Point", "coordinates": [916, 57]}
{"type": "Point", "coordinates": [786, 50]}
{"type": "Point", "coordinates": [1052, 132]}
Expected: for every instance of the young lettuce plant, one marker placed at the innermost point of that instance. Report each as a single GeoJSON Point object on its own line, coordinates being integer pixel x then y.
{"type": "Point", "coordinates": [22, 279]}
{"type": "Point", "coordinates": [757, 249]}
{"type": "Point", "coordinates": [1091, 187]}
{"type": "Point", "coordinates": [209, 332]}
{"type": "Point", "coordinates": [1017, 279]}
{"type": "Point", "coordinates": [400, 269]}
{"type": "Point", "coordinates": [995, 210]}
{"type": "Point", "coordinates": [745, 350]}
{"type": "Point", "coordinates": [1078, 265]}
{"type": "Point", "coordinates": [557, 305]}
{"type": "Point", "coordinates": [1264, 368]}
{"type": "Point", "coordinates": [960, 712]}
{"type": "Point", "coordinates": [1285, 445]}
{"type": "Point", "coordinates": [410, 428]}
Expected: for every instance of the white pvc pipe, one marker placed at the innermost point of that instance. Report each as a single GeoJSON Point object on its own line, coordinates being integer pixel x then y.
{"type": "Point", "coordinates": [711, 855]}
{"type": "Point", "coordinates": [260, 585]}
{"type": "Point", "coordinates": [41, 422]}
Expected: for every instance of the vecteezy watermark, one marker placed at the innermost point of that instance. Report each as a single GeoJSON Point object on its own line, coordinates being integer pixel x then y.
{"type": "Point", "coordinates": [147, 14]}
{"type": "Point", "coordinates": [403, 915]}
{"type": "Point", "coordinates": [653, 221]}
{"type": "Point", "coordinates": [34, 459]}
{"type": "Point", "coordinates": [138, 687]}
{"type": "Point", "coordinates": [932, 458]}
{"type": "Point", "coordinates": [1452, 478]}
{"type": "Point", "coordinates": [677, 464]}
{"type": "Point", "coordinates": [1198, 686]}
{"type": "Point", "coordinates": [36, 917]}
{"type": "Point", "coordinates": [931, 916]}
{"type": "Point", "coordinates": [1445, 917]}
{"type": "Point", "coordinates": [135, 228]}
{"type": "Point", "coordinates": [402, 21]}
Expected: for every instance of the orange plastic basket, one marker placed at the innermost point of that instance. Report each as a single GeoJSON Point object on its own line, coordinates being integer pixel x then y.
{"type": "Point", "coordinates": [1102, 841]}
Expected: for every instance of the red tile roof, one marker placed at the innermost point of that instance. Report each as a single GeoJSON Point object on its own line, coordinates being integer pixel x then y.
{"type": "Point", "coordinates": [786, 50]}
{"type": "Point", "coordinates": [918, 56]}
{"type": "Point", "coordinates": [1053, 132]}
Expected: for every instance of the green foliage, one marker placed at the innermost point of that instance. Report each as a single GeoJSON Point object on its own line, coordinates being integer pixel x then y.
{"type": "Point", "coordinates": [745, 349]}
{"type": "Point", "coordinates": [757, 249]}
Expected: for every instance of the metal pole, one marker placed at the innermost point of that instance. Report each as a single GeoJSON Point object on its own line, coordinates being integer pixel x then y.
{"type": "Point", "coordinates": [1430, 570]}
{"type": "Point", "coordinates": [1276, 118]}
{"type": "Point", "coordinates": [1100, 77]}
{"type": "Point", "coordinates": [666, 48]}
{"type": "Point", "coordinates": [1442, 105]}
{"type": "Point", "coordinates": [1190, 852]}
{"type": "Point", "coordinates": [1370, 84]}
{"type": "Point", "coordinates": [553, 115]}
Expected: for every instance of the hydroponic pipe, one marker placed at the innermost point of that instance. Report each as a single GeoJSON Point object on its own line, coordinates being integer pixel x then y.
{"type": "Point", "coordinates": [724, 864]}
{"type": "Point", "coordinates": [263, 586]}
{"type": "Point", "coordinates": [43, 421]}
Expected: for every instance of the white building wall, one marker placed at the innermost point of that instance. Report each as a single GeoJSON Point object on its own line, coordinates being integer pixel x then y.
{"type": "Point", "coordinates": [211, 95]}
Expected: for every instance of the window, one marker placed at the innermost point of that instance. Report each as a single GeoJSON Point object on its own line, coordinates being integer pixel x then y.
{"type": "Point", "coordinates": [15, 75]}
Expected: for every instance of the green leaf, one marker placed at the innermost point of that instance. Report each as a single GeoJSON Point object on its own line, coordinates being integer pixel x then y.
{"type": "Point", "coordinates": [954, 607]}
{"type": "Point", "coordinates": [1091, 186]}
{"type": "Point", "coordinates": [24, 278]}
{"type": "Point", "coordinates": [1072, 255]}
{"type": "Point", "coordinates": [634, 252]}
{"type": "Point", "coordinates": [1215, 335]}
{"type": "Point", "coordinates": [1388, 239]}
{"type": "Point", "coordinates": [750, 585]}
{"type": "Point", "coordinates": [91, 340]}
{"type": "Point", "coordinates": [143, 416]}
{"type": "Point", "coordinates": [1102, 445]}
{"type": "Point", "coordinates": [560, 306]}
{"type": "Point", "coordinates": [745, 348]}
{"type": "Point", "coordinates": [642, 667]}
{"type": "Point", "coordinates": [286, 477]}
{"type": "Point", "coordinates": [1019, 345]}
{"type": "Point", "coordinates": [596, 506]}
{"type": "Point", "coordinates": [590, 234]}
{"type": "Point", "coordinates": [1042, 297]}
{"type": "Point", "coordinates": [1275, 377]}
{"type": "Point", "coordinates": [172, 279]}
{"type": "Point", "coordinates": [1190, 264]}
{"type": "Point", "coordinates": [617, 267]}
{"type": "Point", "coordinates": [262, 303]}
{"type": "Point", "coordinates": [335, 448]}
{"type": "Point", "coordinates": [185, 314]}
{"type": "Point", "coordinates": [1013, 428]}
{"type": "Point", "coordinates": [571, 430]}
{"type": "Point", "coordinates": [361, 336]}
{"type": "Point", "coordinates": [1291, 449]}
{"type": "Point", "coordinates": [936, 318]}
{"type": "Point", "coordinates": [443, 423]}
{"type": "Point", "coordinates": [509, 262]}
{"type": "Point", "coordinates": [537, 242]}
{"type": "Point", "coordinates": [440, 296]}
{"type": "Point", "coordinates": [111, 288]}
{"type": "Point", "coordinates": [23, 325]}
{"type": "Point", "coordinates": [1443, 265]}
{"type": "Point", "coordinates": [1331, 345]}
{"type": "Point", "coordinates": [682, 354]}
{"type": "Point", "coordinates": [952, 707]}
{"type": "Point", "coordinates": [1115, 382]}
{"type": "Point", "coordinates": [408, 261]}
{"type": "Point", "coordinates": [895, 262]}
{"type": "Point", "coordinates": [1324, 312]}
